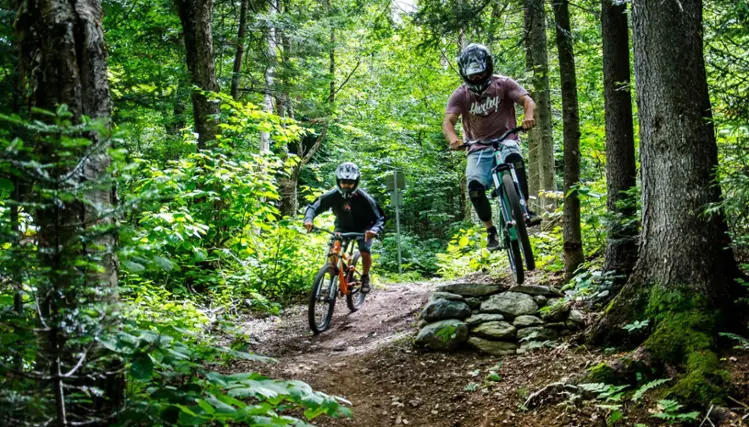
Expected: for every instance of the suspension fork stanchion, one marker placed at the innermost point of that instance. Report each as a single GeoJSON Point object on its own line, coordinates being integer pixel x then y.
{"type": "Point", "coordinates": [521, 196]}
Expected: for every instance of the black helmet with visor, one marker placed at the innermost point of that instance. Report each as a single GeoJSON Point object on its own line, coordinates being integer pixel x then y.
{"type": "Point", "coordinates": [476, 67]}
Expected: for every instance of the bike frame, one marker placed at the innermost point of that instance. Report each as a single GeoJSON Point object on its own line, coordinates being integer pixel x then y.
{"type": "Point", "coordinates": [339, 256]}
{"type": "Point", "coordinates": [497, 172]}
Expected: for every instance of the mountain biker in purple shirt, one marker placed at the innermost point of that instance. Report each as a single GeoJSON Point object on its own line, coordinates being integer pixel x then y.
{"type": "Point", "coordinates": [486, 103]}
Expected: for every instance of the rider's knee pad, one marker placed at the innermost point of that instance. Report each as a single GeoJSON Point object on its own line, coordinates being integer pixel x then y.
{"type": "Point", "coordinates": [477, 193]}
{"type": "Point", "coordinates": [476, 190]}
{"type": "Point", "coordinates": [516, 160]}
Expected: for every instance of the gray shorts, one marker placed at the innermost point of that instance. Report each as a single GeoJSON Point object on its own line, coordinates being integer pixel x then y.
{"type": "Point", "coordinates": [479, 164]}
{"type": "Point", "coordinates": [364, 246]}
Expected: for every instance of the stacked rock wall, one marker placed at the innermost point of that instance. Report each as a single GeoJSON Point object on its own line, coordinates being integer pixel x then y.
{"type": "Point", "coordinates": [485, 317]}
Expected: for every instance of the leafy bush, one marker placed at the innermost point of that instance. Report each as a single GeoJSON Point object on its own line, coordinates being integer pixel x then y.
{"type": "Point", "coordinates": [417, 254]}
{"type": "Point", "coordinates": [466, 253]}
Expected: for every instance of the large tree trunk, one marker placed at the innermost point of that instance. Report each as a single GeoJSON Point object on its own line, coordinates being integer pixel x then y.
{"type": "Point", "coordinates": [573, 245]}
{"type": "Point", "coordinates": [63, 58]}
{"type": "Point", "coordinates": [534, 135]}
{"type": "Point", "coordinates": [237, 71]}
{"type": "Point", "coordinates": [535, 24]}
{"type": "Point", "coordinates": [621, 245]}
{"type": "Point", "coordinates": [270, 72]}
{"type": "Point", "coordinates": [684, 278]}
{"type": "Point", "coordinates": [196, 18]}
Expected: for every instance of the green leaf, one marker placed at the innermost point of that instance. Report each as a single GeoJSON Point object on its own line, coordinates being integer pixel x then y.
{"type": "Point", "coordinates": [651, 385]}
{"type": "Point", "coordinates": [6, 186]}
{"type": "Point", "coordinates": [133, 267]}
{"type": "Point", "coordinates": [493, 376]}
{"type": "Point", "coordinates": [206, 406]}
{"type": "Point", "coordinates": [200, 254]}
{"type": "Point", "coordinates": [142, 367]}
{"type": "Point", "coordinates": [689, 416]}
{"type": "Point", "coordinates": [616, 415]}
{"type": "Point", "coordinates": [164, 263]}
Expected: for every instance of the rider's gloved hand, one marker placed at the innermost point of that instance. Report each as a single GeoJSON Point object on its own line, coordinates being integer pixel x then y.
{"type": "Point", "coordinates": [308, 226]}
{"type": "Point", "coordinates": [369, 234]}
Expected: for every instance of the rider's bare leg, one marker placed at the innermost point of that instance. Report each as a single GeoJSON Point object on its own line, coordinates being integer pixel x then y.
{"type": "Point", "coordinates": [366, 262]}
{"type": "Point", "coordinates": [488, 224]}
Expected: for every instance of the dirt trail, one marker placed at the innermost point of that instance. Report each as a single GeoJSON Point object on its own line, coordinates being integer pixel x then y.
{"type": "Point", "coordinates": [386, 316]}
{"type": "Point", "coordinates": [367, 357]}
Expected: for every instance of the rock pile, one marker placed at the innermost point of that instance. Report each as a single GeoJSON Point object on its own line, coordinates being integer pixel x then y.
{"type": "Point", "coordinates": [501, 323]}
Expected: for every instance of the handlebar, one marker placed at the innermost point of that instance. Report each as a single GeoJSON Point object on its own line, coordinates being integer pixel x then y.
{"type": "Point", "coordinates": [493, 141]}
{"type": "Point", "coordinates": [338, 234]}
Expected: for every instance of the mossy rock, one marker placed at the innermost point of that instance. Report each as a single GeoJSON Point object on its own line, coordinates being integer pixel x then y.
{"type": "Point", "coordinates": [445, 335]}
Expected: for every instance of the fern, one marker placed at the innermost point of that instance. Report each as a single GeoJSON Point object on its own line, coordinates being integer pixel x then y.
{"type": "Point", "coordinates": [651, 385]}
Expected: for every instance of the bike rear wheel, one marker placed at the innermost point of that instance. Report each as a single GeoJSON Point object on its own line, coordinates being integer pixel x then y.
{"type": "Point", "coordinates": [520, 242]}
{"type": "Point", "coordinates": [322, 298]}
{"type": "Point", "coordinates": [354, 298]}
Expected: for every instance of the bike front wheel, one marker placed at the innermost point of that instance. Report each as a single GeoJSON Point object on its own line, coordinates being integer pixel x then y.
{"type": "Point", "coordinates": [322, 298]}
{"type": "Point", "coordinates": [354, 298]}
{"type": "Point", "coordinates": [516, 234]}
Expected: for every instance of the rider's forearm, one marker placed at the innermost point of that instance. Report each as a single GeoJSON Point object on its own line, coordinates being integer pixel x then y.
{"type": "Point", "coordinates": [309, 214]}
{"type": "Point", "coordinates": [529, 107]}
{"type": "Point", "coordinates": [448, 130]}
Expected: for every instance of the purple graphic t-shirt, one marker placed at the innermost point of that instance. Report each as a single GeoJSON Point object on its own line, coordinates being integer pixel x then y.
{"type": "Point", "coordinates": [490, 114]}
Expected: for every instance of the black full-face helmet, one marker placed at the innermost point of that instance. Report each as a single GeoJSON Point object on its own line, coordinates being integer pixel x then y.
{"type": "Point", "coordinates": [347, 172]}
{"type": "Point", "coordinates": [476, 67]}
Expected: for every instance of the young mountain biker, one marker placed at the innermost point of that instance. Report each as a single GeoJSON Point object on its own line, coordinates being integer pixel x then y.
{"type": "Point", "coordinates": [486, 103]}
{"type": "Point", "coordinates": [355, 212]}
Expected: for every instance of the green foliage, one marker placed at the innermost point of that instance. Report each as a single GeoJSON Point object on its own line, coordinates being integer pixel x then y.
{"type": "Point", "coordinates": [743, 343]}
{"type": "Point", "coordinates": [605, 392]}
{"type": "Point", "coordinates": [668, 410]}
{"type": "Point", "coordinates": [466, 253]}
{"type": "Point", "coordinates": [171, 383]}
{"type": "Point", "coordinates": [207, 223]}
{"type": "Point", "coordinates": [601, 373]}
{"type": "Point", "coordinates": [56, 269]}
{"type": "Point", "coordinates": [647, 387]}
{"type": "Point", "coordinates": [418, 254]}
{"type": "Point", "coordinates": [471, 387]}
{"type": "Point", "coordinates": [446, 333]}
{"type": "Point", "coordinates": [683, 334]}
{"type": "Point", "coordinates": [636, 325]}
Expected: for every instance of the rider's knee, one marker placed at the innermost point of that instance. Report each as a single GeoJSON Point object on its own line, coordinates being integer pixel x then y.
{"type": "Point", "coordinates": [516, 160]}
{"type": "Point", "coordinates": [476, 190]}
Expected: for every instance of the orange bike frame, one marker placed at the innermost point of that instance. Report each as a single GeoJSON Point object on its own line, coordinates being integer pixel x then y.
{"type": "Point", "coordinates": [339, 259]}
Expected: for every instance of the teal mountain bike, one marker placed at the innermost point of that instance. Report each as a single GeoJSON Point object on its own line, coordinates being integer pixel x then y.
{"type": "Point", "coordinates": [512, 209]}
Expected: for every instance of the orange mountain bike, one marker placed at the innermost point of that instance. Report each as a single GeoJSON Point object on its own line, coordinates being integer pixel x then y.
{"type": "Point", "coordinates": [338, 275]}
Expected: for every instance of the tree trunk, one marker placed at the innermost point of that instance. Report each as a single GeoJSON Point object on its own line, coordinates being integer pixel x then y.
{"type": "Point", "coordinates": [684, 278]}
{"type": "Point", "coordinates": [534, 166]}
{"type": "Point", "coordinates": [236, 72]}
{"type": "Point", "coordinates": [621, 245]}
{"type": "Point", "coordinates": [573, 245]}
{"type": "Point", "coordinates": [63, 58]}
{"type": "Point", "coordinates": [271, 53]}
{"type": "Point", "coordinates": [196, 18]}
{"type": "Point", "coordinates": [535, 24]}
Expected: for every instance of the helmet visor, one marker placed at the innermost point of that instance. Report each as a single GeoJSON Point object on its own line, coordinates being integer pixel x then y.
{"type": "Point", "coordinates": [475, 67]}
